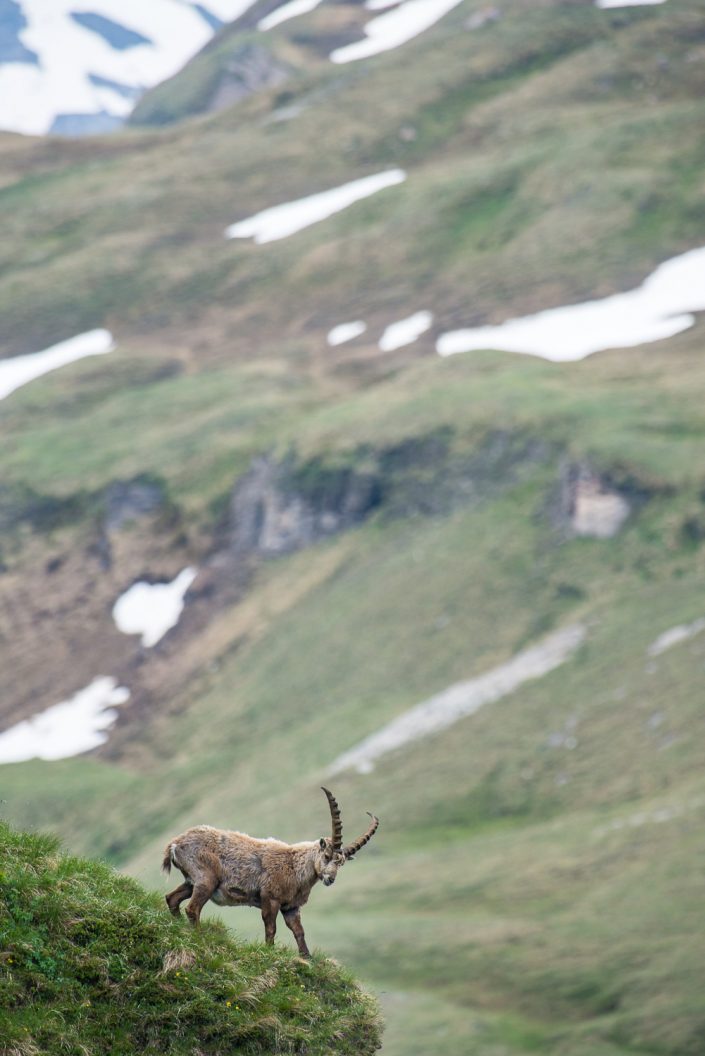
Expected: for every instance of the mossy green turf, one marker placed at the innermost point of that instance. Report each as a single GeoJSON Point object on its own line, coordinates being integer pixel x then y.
{"type": "Point", "coordinates": [91, 963]}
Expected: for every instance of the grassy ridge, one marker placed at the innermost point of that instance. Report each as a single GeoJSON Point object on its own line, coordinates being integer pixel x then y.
{"type": "Point", "coordinates": [90, 962]}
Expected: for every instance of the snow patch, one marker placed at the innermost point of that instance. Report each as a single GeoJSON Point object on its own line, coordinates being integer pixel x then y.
{"type": "Point", "coordinates": [675, 636]}
{"type": "Point", "coordinates": [653, 311]}
{"type": "Point", "coordinates": [394, 28]}
{"type": "Point", "coordinates": [32, 97]}
{"type": "Point", "coordinates": [346, 332]}
{"type": "Point", "coordinates": [285, 12]}
{"type": "Point", "coordinates": [19, 370]}
{"type": "Point", "coordinates": [152, 609]}
{"type": "Point", "coordinates": [627, 3]}
{"type": "Point", "coordinates": [70, 728]}
{"type": "Point", "coordinates": [405, 332]}
{"type": "Point", "coordinates": [283, 220]}
{"type": "Point", "coordinates": [461, 700]}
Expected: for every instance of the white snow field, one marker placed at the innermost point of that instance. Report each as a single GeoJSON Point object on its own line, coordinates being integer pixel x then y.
{"type": "Point", "coordinates": [70, 728]}
{"type": "Point", "coordinates": [676, 635]}
{"type": "Point", "coordinates": [346, 332]}
{"type": "Point", "coordinates": [395, 28]}
{"type": "Point", "coordinates": [461, 700]}
{"type": "Point", "coordinates": [152, 609]}
{"type": "Point", "coordinates": [282, 14]}
{"type": "Point", "coordinates": [627, 3]}
{"type": "Point", "coordinates": [19, 370]}
{"type": "Point", "coordinates": [659, 308]}
{"type": "Point", "coordinates": [380, 5]}
{"type": "Point", "coordinates": [94, 60]}
{"type": "Point", "coordinates": [283, 220]}
{"type": "Point", "coordinates": [405, 332]}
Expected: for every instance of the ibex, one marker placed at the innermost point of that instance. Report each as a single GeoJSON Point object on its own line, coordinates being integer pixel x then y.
{"type": "Point", "coordinates": [232, 869]}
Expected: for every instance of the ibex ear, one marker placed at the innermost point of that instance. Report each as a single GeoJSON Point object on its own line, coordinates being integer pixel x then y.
{"type": "Point", "coordinates": [322, 843]}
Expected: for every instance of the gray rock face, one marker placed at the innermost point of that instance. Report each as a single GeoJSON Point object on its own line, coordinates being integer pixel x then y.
{"type": "Point", "coordinates": [21, 505]}
{"type": "Point", "coordinates": [589, 505]}
{"type": "Point", "coordinates": [275, 509]}
{"type": "Point", "coordinates": [249, 69]}
{"type": "Point", "coordinates": [237, 71]}
{"type": "Point", "coordinates": [278, 507]}
{"type": "Point", "coordinates": [130, 500]}
{"type": "Point", "coordinates": [424, 476]}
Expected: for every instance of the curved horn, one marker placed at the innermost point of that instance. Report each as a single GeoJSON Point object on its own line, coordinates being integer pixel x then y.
{"type": "Point", "coordinates": [337, 823]}
{"type": "Point", "coordinates": [354, 847]}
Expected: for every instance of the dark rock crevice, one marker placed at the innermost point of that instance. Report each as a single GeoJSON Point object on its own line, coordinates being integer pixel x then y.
{"type": "Point", "coordinates": [280, 506]}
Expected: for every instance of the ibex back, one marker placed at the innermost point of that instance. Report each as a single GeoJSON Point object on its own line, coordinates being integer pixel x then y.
{"type": "Point", "coordinates": [232, 869]}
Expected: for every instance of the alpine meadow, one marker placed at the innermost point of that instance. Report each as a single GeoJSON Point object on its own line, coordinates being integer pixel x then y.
{"type": "Point", "coordinates": [352, 434]}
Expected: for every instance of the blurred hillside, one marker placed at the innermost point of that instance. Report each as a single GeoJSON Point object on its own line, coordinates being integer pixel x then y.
{"type": "Point", "coordinates": [373, 525]}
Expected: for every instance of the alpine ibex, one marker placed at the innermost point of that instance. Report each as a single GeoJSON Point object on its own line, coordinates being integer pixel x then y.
{"type": "Point", "coordinates": [232, 869]}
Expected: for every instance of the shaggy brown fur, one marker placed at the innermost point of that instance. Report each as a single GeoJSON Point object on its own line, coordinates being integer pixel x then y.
{"type": "Point", "coordinates": [233, 869]}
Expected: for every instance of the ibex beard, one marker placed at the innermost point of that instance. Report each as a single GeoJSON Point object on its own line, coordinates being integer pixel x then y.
{"type": "Point", "coordinates": [233, 869]}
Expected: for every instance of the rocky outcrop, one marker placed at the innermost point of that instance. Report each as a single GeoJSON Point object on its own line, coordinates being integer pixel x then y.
{"type": "Point", "coordinates": [428, 476]}
{"type": "Point", "coordinates": [130, 500]}
{"type": "Point", "coordinates": [589, 504]}
{"type": "Point", "coordinates": [23, 506]}
{"type": "Point", "coordinates": [247, 70]}
{"type": "Point", "coordinates": [278, 507]}
{"type": "Point", "coordinates": [226, 72]}
{"type": "Point", "coordinates": [281, 506]}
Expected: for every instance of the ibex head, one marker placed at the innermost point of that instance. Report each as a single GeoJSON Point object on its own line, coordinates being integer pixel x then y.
{"type": "Point", "coordinates": [332, 855]}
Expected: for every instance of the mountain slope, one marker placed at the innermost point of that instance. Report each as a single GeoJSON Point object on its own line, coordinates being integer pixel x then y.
{"type": "Point", "coordinates": [509, 840]}
{"type": "Point", "coordinates": [373, 528]}
{"type": "Point", "coordinates": [91, 961]}
{"type": "Point", "coordinates": [487, 191]}
{"type": "Point", "coordinates": [75, 71]}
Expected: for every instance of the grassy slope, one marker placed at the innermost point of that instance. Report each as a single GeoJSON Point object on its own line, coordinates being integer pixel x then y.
{"type": "Point", "coordinates": [497, 902]}
{"type": "Point", "coordinates": [90, 962]}
{"type": "Point", "coordinates": [497, 874]}
{"type": "Point", "coordinates": [545, 160]}
{"type": "Point", "coordinates": [544, 147]}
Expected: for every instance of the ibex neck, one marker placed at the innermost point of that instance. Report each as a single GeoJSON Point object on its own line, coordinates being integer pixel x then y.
{"type": "Point", "coordinates": [306, 864]}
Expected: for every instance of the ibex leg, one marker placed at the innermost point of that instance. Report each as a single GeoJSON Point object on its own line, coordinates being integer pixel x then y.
{"type": "Point", "coordinates": [270, 908]}
{"type": "Point", "coordinates": [177, 896]}
{"type": "Point", "coordinates": [202, 891]}
{"type": "Point", "coordinates": [292, 919]}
